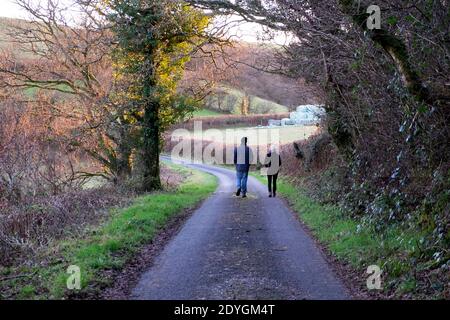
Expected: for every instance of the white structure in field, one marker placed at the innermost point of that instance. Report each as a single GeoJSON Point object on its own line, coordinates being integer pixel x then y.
{"type": "Point", "coordinates": [303, 115]}
{"type": "Point", "coordinates": [307, 114]}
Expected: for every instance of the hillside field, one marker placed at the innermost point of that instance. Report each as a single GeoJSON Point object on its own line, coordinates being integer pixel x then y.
{"type": "Point", "coordinates": [256, 135]}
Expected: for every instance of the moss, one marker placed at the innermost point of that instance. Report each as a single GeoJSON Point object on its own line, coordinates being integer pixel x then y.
{"type": "Point", "coordinates": [27, 292]}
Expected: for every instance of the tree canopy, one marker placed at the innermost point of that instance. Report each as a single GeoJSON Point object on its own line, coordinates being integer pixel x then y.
{"type": "Point", "coordinates": [155, 40]}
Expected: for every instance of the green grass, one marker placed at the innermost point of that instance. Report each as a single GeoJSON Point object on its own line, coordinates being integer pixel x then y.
{"type": "Point", "coordinates": [109, 246]}
{"type": "Point", "coordinates": [31, 92]}
{"type": "Point", "coordinates": [354, 242]}
{"type": "Point", "coordinates": [206, 113]}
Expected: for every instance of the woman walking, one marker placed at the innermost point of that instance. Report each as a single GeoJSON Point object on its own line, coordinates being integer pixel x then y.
{"type": "Point", "coordinates": [273, 164]}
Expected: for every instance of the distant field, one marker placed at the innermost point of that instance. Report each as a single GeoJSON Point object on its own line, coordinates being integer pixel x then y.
{"type": "Point", "coordinates": [229, 100]}
{"type": "Point", "coordinates": [4, 38]}
{"type": "Point", "coordinates": [256, 135]}
{"type": "Point", "coordinates": [6, 27]}
{"type": "Point", "coordinates": [206, 113]}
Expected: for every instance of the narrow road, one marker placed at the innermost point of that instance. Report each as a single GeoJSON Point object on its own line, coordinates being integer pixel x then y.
{"type": "Point", "coordinates": [235, 248]}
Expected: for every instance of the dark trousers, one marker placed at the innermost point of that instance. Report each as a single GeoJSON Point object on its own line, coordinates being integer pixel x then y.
{"type": "Point", "coordinates": [272, 179]}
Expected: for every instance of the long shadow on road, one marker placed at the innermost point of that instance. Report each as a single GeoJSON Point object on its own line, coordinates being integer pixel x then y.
{"type": "Point", "coordinates": [235, 248]}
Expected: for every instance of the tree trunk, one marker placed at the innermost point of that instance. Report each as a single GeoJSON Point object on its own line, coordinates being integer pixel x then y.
{"type": "Point", "coordinates": [151, 148]}
{"type": "Point", "coordinates": [245, 104]}
{"type": "Point", "coordinates": [151, 136]}
{"type": "Point", "coordinates": [124, 151]}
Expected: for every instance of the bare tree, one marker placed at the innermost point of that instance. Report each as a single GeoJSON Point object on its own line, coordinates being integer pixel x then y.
{"type": "Point", "coordinates": [70, 58]}
{"type": "Point", "coordinates": [386, 90]}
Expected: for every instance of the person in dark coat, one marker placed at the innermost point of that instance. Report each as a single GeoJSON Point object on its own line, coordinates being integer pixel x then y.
{"type": "Point", "coordinates": [243, 156]}
{"type": "Point", "coordinates": [273, 165]}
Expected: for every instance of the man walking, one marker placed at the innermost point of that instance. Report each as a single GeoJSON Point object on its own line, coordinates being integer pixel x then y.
{"type": "Point", "coordinates": [243, 156]}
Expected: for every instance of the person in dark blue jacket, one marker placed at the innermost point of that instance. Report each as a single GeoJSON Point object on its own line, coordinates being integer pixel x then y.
{"type": "Point", "coordinates": [243, 156]}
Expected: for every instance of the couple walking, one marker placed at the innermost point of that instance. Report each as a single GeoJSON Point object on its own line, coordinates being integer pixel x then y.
{"type": "Point", "coordinates": [243, 156]}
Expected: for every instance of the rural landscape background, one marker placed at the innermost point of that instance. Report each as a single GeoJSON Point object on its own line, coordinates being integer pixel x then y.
{"type": "Point", "coordinates": [91, 92]}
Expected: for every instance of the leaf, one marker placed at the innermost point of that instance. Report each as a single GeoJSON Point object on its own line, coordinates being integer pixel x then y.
{"type": "Point", "coordinates": [422, 108]}
{"type": "Point", "coordinates": [392, 20]}
{"type": "Point", "coordinates": [410, 18]}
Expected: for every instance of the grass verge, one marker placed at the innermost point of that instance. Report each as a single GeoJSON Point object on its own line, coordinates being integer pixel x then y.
{"type": "Point", "coordinates": [357, 243]}
{"type": "Point", "coordinates": [110, 245]}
